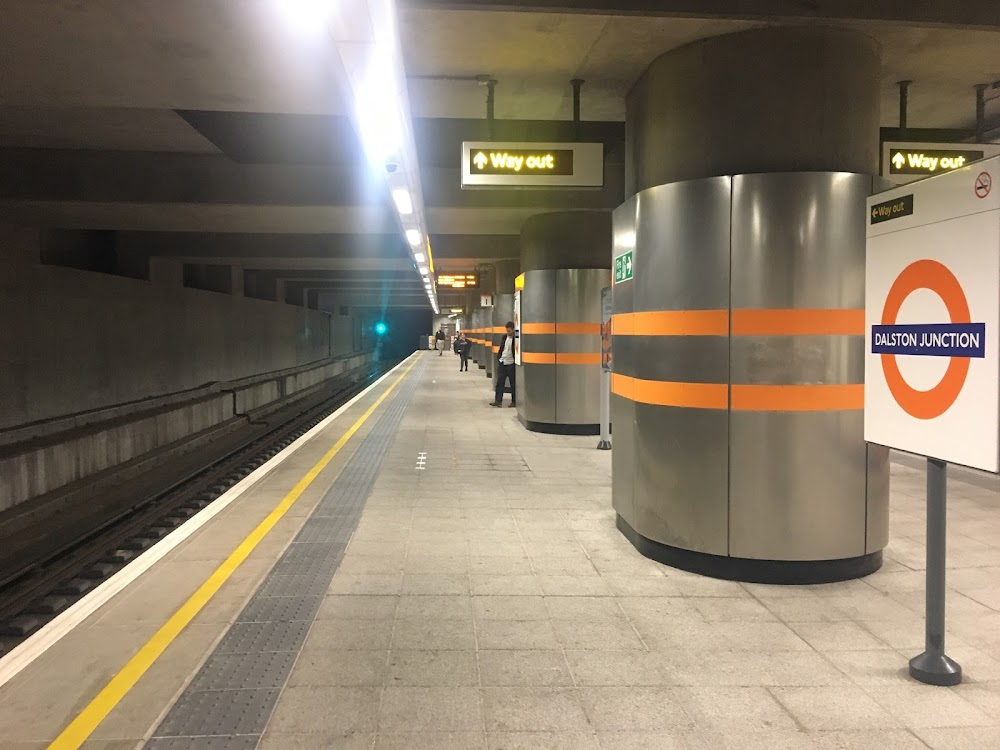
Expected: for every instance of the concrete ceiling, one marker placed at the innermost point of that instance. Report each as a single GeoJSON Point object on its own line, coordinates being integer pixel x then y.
{"type": "Point", "coordinates": [209, 121]}
{"type": "Point", "coordinates": [535, 55]}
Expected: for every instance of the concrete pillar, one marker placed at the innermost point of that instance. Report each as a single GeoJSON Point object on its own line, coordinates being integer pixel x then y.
{"type": "Point", "coordinates": [236, 285]}
{"type": "Point", "coordinates": [737, 389]}
{"type": "Point", "coordinates": [166, 271]}
{"type": "Point", "coordinates": [505, 271]}
{"type": "Point", "coordinates": [767, 100]}
{"type": "Point", "coordinates": [281, 291]}
{"type": "Point", "coordinates": [565, 259]}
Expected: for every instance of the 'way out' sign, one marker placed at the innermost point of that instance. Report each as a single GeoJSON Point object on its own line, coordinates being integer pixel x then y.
{"type": "Point", "coordinates": [904, 162]}
{"type": "Point", "coordinates": [932, 290]}
{"type": "Point", "coordinates": [489, 164]}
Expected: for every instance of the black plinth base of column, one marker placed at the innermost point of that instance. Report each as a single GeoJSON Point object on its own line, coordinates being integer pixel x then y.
{"type": "Point", "coordinates": [782, 572]}
{"type": "Point", "coordinates": [562, 429]}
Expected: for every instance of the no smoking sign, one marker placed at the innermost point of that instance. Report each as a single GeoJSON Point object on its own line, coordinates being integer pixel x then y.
{"type": "Point", "coordinates": [984, 183]}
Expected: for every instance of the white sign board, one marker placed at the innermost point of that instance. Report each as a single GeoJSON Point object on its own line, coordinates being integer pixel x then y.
{"type": "Point", "coordinates": [932, 291]}
{"type": "Point", "coordinates": [906, 161]}
{"type": "Point", "coordinates": [488, 164]}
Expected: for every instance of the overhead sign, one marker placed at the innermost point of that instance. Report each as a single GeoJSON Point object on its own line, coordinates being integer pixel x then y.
{"type": "Point", "coordinates": [623, 267]}
{"type": "Point", "coordinates": [905, 162]}
{"type": "Point", "coordinates": [932, 359]}
{"type": "Point", "coordinates": [458, 280]}
{"type": "Point", "coordinates": [544, 165]}
{"type": "Point", "coordinates": [893, 209]}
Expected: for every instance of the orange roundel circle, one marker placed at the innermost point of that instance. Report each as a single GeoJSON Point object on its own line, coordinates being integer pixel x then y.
{"type": "Point", "coordinates": [935, 276]}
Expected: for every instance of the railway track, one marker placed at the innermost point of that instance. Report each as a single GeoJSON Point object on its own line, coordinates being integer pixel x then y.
{"type": "Point", "coordinates": [36, 592]}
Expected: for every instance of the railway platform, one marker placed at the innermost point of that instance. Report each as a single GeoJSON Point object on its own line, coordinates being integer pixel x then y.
{"type": "Point", "coordinates": [420, 571]}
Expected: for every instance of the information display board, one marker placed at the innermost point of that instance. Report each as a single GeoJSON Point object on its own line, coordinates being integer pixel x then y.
{"type": "Point", "coordinates": [489, 164]}
{"type": "Point", "coordinates": [906, 161]}
{"type": "Point", "coordinates": [932, 290]}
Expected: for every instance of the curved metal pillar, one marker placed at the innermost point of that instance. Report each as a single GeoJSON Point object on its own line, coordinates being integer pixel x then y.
{"type": "Point", "coordinates": [737, 391]}
{"type": "Point", "coordinates": [566, 259]}
{"type": "Point", "coordinates": [738, 383]}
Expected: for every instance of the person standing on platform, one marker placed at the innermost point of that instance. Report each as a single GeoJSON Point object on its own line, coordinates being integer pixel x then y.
{"type": "Point", "coordinates": [505, 367]}
{"type": "Point", "coordinates": [439, 342]}
{"type": "Point", "coordinates": [464, 348]}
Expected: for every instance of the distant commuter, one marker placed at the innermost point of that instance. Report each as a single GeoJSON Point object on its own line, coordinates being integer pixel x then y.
{"type": "Point", "coordinates": [505, 367]}
{"type": "Point", "coordinates": [439, 342]}
{"type": "Point", "coordinates": [464, 349]}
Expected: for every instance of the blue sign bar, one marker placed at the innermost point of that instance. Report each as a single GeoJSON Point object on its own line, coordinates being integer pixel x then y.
{"type": "Point", "coordinates": [931, 340]}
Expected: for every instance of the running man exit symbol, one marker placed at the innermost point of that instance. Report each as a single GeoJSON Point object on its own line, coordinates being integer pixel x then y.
{"type": "Point", "coordinates": [623, 267]}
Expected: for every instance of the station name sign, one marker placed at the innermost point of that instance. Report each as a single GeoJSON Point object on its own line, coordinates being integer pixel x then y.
{"type": "Point", "coordinates": [905, 162]}
{"type": "Point", "coordinates": [540, 165]}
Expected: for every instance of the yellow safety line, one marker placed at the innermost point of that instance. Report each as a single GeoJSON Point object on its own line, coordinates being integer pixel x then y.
{"type": "Point", "coordinates": [89, 718]}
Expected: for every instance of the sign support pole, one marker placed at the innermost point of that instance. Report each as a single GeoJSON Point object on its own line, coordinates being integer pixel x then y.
{"type": "Point", "coordinates": [606, 311]}
{"type": "Point", "coordinates": [933, 666]}
{"type": "Point", "coordinates": [605, 443]}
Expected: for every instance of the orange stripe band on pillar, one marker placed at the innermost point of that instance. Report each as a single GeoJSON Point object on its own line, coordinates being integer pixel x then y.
{"type": "Point", "coordinates": [744, 397]}
{"type": "Point", "coordinates": [798, 322]}
{"type": "Point", "coordinates": [663, 393]}
{"type": "Point", "coordinates": [537, 328]}
{"type": "Point", "coordinates": [532, 329]}
{"type": "Point", "coordinates": [561, 358]}
{"type": "Point", "coordinates": [792, 322]}
{"type": "Point", "coordinates": [798, 397]}
{"type": "Point", "coordinates": [672, 323]}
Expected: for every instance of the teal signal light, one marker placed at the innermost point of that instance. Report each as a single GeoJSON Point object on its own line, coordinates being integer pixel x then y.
{"type": "Point", "coordinates": [381, 328]}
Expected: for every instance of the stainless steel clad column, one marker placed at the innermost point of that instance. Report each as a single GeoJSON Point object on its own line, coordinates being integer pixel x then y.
{"type": "Point", "coordinates": [566, 258]}
{"type": "Point", "coordinates": [489, 359]}
{"type": "Point", "coordinates": [536, 404]}
{"type": "Point", "coordinates": [739, 339]}
{"type": "Point", "coordinates": [623, 367]}
{"type": "Point", "coordinates": [681, 269]}
{"type": "Point", "coordinates": [503, 310]}
{"type": "Point", "coordinates": [799, 494]}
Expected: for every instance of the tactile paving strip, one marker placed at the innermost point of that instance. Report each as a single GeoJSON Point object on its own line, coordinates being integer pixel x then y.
{"type": "Point", "coordinates": [230, 700]}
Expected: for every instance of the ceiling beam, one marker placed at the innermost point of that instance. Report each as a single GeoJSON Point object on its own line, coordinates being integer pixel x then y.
{"type": "Point", "coordinates": [983, 14]}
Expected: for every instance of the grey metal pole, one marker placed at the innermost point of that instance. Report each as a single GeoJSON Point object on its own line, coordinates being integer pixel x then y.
{"type": "Point", "coordinates": [605, 444]}
{"type": "Point", "coordinates": [933, 666]}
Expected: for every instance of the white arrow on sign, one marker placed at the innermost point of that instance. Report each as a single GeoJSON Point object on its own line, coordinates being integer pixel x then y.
{"type": "Point", "coordinates": [899, 160]}
{"type": "Point", "coordinates": [480, 160]}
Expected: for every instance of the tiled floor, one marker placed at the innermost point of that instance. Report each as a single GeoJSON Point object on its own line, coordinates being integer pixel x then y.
{"type": "Point", "coordinates": [488, 601]}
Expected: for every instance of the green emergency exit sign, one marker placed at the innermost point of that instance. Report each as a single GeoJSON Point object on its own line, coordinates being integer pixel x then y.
{"type": "Point", "coordinates": [623, 267]}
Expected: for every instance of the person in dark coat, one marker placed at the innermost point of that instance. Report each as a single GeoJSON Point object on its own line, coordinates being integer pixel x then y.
{"type": "Point", "coordinates": [464, 349]}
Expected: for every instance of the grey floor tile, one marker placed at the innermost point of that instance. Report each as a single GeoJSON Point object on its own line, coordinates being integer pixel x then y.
{"type": "Point", "coordinates": [325, 667]}
{"type": "Point", "coordinates": [430, 709]}
{"type": "Point", "coordinates": [516, 635]}
{"type": "Point", "coordinates": [634, 709]}
{"type": "Point", "coordinates": [532, 709]}
{"type": "Point", "coordinates": [410, 668]}
{"type": "Point", "coordinates": [431, 741]}
{"type": "Point", "coordinates": [524, 669]}
{"type": "Point", "coordinates": [332, 710]}
{"type": "Point", "coordinates": [834, 708]}
{"type": "Point", "coordinates": [429, 634]}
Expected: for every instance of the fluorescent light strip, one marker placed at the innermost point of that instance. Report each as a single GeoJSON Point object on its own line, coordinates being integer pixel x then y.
{"type": "Point", "coordinates": [366, 36]}
{"type": "Point", "coordinates": [404, 204]}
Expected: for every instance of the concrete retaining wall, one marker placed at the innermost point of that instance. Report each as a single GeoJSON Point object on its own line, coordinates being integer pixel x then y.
{"type": "Point", "coordinates": [75, 340]}
{"type": "Point", "coordinates": [45, 456]}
